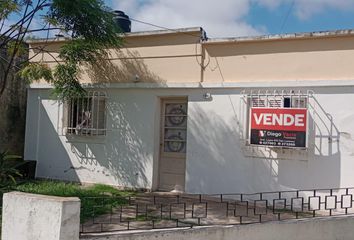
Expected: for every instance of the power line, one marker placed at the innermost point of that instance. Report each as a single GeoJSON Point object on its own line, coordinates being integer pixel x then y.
{"type": "Point", "coordinates": [287, 16]}
{"type": "Point", "coordinates": [177, 31]}
{"type": "Point", "coordinates": [161, 27]}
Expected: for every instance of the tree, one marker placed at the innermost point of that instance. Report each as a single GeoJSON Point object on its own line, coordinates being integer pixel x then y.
{"type": "Point", "coordinates": [89, 24]}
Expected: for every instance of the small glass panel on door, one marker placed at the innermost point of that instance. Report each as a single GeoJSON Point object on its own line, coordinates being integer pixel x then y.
{"type": "Point", "coordinates": [175, 127]}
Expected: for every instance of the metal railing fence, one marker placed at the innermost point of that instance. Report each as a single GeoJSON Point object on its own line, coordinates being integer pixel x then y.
{"type": "Point", "coordinates": [158, 210]}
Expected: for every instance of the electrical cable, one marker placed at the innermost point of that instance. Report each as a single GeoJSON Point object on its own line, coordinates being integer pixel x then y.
{"type": "Point", "coordinates": [161, 27]}
{"type": "Point", "coordinates": [287, 16]}
{"type": "Point", "coordinates": [177, 31]}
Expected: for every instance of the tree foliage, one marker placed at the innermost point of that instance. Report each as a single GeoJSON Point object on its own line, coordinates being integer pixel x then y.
{"type": "Point", "coordinates": [89, 24]}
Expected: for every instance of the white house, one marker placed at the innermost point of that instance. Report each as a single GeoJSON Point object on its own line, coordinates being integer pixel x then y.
{"type": "Point", "coordinates": [173, 110]}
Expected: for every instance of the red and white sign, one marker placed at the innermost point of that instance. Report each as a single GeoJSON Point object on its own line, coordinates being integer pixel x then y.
{"type": "Point", "coordinates": [281, 127]}
{"type": "Point", "coordinates": [287, 119]}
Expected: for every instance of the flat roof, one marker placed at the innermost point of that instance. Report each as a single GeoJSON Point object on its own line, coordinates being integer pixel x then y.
{"type": "Point", "coordinates": [190, 31]}
{"type": "Point", "coordinates": [187, 31]}
{"type": "Point", "coordinates": [274, 37]}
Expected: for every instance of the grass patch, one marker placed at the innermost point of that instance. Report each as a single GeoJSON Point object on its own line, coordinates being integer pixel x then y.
{"type": "Point", "coordinates": [96, 199]}
{"type": "Point", "coordinates": [63, 189]}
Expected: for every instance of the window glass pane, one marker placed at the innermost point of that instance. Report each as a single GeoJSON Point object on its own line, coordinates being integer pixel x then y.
{"type": "Point", "coordinates": [176, 115]}
{"type": "Point", "coordinates": [98, 113]}
{"type": "Point", "coordinates": [176, 121]}
{"type": "Point", "coordinates": [258, 102]}
{"type": "Point", "coordinates": [175, 127]}
{"type": "Point", "coordinates": [287, 102]}
{"type": "Point", "coordinates": [86, 116]}
{"type": "Point", "coordinates": [275, 102]}
{"type": "Point", "coordinates": [176, 108]}
{"type": "Point", "coordinates": [175, 146]}
{"type": "Point", "coordinates": [299, 102]}
{"type": "Point", "coordinates": [175, 134]}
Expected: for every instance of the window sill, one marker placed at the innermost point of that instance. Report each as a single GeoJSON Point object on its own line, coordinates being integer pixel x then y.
{"type": "Point", "coordinates": [73, 138]}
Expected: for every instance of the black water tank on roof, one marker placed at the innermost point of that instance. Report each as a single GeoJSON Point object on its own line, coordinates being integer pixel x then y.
{"type": "Point", "coordinates": [122, 20]}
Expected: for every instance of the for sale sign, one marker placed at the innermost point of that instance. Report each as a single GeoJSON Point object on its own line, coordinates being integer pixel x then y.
{"type": "Point", "coordinates": [279, 127]}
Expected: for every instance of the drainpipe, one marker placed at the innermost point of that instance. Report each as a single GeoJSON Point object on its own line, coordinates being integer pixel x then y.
{"type": "Point", "coordinates": [202, 67]}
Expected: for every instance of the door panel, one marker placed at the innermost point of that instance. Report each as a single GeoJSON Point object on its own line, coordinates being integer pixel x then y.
{"type": "Point", "coordinates": [173, 145]}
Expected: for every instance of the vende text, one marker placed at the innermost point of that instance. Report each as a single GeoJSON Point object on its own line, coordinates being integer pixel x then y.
{"type": "Point", "coordinates": [290, 119]}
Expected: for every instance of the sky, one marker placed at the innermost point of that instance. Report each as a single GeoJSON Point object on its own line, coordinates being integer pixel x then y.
{"type": "Point", "coordinates": [233, 18]}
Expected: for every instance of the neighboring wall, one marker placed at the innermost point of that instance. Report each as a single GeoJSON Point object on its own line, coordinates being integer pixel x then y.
{"type": "Point", "coordinates": [12, 113]}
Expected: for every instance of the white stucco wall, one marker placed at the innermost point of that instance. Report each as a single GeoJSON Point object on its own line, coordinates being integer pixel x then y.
{"type": "Point", "coordinates": [216, 159]}
{"type": "Point", "coordinates": [123, 157]}
{"type": "Point", "coordinates": [35, 217]}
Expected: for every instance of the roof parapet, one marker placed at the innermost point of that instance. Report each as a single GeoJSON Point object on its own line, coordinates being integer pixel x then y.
{"type": "Point", "coordinates": [188, 31]}
{"type": "Point", "coordinates": [287, 36]}
{"type": "Point", "coordinates": [206, 40]}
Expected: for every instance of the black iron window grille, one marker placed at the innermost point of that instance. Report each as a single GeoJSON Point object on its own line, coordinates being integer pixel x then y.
{"type": "Point", "coordinates": [86, 116]}
{"type": "Point", "coordinates": [277, 99]}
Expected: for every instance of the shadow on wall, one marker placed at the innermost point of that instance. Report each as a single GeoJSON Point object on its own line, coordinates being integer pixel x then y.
{"type": "Point", "coordinates": [53, 159]}
{"type": "Point", "coordinates": [322, 168]}
{"type": "Point", "coordinates": [117, 158]}
{"type": "Point", "coordinates": [124, 67]}
{"type": "Point", "coordinates": [216, 162]}
{"type": "Point", "coordinates": [121, 156]}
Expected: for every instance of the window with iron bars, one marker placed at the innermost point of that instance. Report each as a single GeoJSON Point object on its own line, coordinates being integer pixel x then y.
{"type": "Point", "coordinates": [278, 101]}
{"type": "Point", "coordinates": [86, 116]}
{"type": "Point", "coordinates": [275, 99]}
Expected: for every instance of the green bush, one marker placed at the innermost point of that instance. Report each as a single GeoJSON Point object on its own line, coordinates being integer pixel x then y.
{"type": "Point", "coordinates": [9, 168]}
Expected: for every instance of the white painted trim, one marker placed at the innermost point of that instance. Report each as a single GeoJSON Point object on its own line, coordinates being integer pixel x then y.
{"type": "Point", "coordinates": [316, 83]}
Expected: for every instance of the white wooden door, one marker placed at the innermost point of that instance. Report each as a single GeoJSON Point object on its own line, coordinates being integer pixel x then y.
{"type": "Point", "coordinates": [173, 143]}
